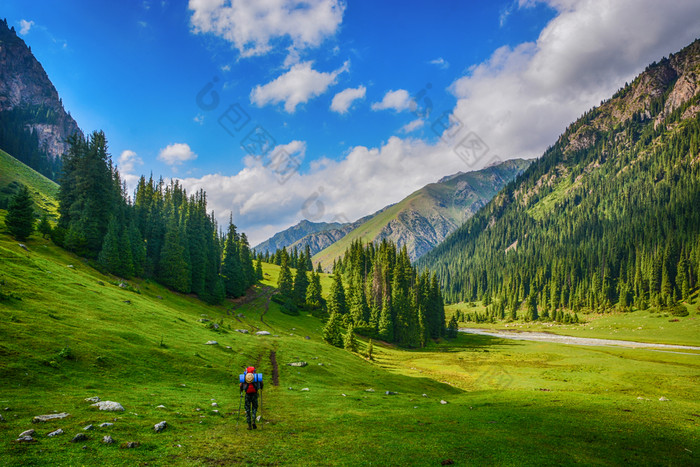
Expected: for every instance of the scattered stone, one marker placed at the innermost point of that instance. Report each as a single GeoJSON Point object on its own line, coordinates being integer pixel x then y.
{"type": "Point", "coordinates": [198, 409]}
{"type": "Point", "coordinates": [262, 333]}
{"type": "Point", "coordinates": [203, 320]}
{"type": "Point", "coordinates": [211, 343]}
{"type": "Point", "coordinates": [228, 347]}
{"type": "Point", "coordinates": [25, 439]}
{"type": "Point", "coordinates": [107, 440]}
{"type": "Point", "coordinates": [663, 399]}
{"type": "Point", "coordinates": [215, 326]}
{"type": "Point", "coordinates": [23, 246]}
{"type": "Point", "coordinates": [70, 266]}
{"type": "Point", "coordinates": [132, 445]}
{"type": "Point", "coordinates": [369, 390]}
{"type": "Point", "coordinates": [161, 406]}
{"type": "Point", "coordinates": [2, 419]}
{"type": "Point", "coordinates": [52, 416]}
{"type": "Point", "coordinates": [88, 428]}
{"type": "Point", "coordinates": [160, 426]}
{"type": "Point", "coordinates": [307, 337]}
{"type": "Point", "coordinates": [128, 302]}
{"type": "Point", "coordinates": [258, 418]}
{"type": "Point", "coordinates": [159, 297]}
{"type": "Point", "coordinates": [425, 395]}
{"type": "Point", "coordinates": [242, 331]}
{"type": "Point", "coordinates": [27, 433]}
{"type": "Point", "coordinates": [305, 389]}
{"type": "Point", "coordinates": [106, 424]}
{"type": "Point", "coordinates": [240, 315]}
{"type": "Point", "coordinates": [183, 385]}
{"type": "Point", "coordinates": [391, 393]}
{"type": "Point", "coordinates": [344, 395]}
{"type": "Point", "coordinates": [123, 285]}
{"type": "Point", "coordinates": [298, 364]}
{"type": "Point", "coordinates": [109, 406]}
{"type": "Point", "coordinates": [55, 433]}
{"type": "Point", "coordinates": [214, 404]}
{"type": "Point", "coordinates": [443, 402]}
{"type": "Point", "coordinates": [320, 364]}
{"type": "Point", "coordinates": [79, 437]}
{"type": "Point", "coordinates": [92, 399]}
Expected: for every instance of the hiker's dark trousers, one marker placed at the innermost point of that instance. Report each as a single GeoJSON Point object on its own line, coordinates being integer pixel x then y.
{"type": "Point", "coordinates": [251, 402]}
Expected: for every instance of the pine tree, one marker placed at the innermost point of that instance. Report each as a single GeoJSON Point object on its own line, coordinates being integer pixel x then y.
{"type": "Point", "coordinates": [138, 249]}
{"type": "Point", "coordinates": [174, 270]}
{"type": "Point", "coordinates": [285, 283]}
{"type": "Point", "coordinates": [349, 340]}
{"type": "Point", "coordinates": [258, 269]}
{"type": "Point", "coordinates": [370, 350]}
{"type": "Point", "coordinates": [319, 269]}
{"type": "Point", "coordinates": [44, 227]}
{"type": "Point", "coordinates": [336, 301]}
{"type": "Point", "coordinates": [532, 307]}
{"type": "Point", "coordinates": [386, 321]}
{"type": "Point", "coordinates": [331, 331]}
{"type": "Point", "coordinates": [20, 214]}
{"type": "Point", "coordinates": [314, 297]}
{"type": "Point", "coordinates": [234, 277]}
{"type": "Point", "coordinates": [109, 255]}
{"type": "Point", "coordinates": [452, 328]}
{"type": "Point", "coordinates": [301, 284]}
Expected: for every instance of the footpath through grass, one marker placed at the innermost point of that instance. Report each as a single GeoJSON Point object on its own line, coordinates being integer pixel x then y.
{"type": "Point", "coordinates": [72, 333]}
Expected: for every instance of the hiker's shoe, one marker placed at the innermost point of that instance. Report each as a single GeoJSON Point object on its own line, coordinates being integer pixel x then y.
{"type": "Point", "coordinates": [250, 427]}
{"type": "Point", "coordinates": [255, 427]}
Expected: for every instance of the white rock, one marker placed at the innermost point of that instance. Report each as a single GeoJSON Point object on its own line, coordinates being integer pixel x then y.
{"type": "Point", "coordinates": [211, 343]}
{"type": "Point", "coordinates": [305, 389]}
{"type": "Point", "coordinates": [242, 331]}
{"type": "Point", "coordinates": [109, 406]}
{"type": "Point", "coordinates": [262, 333]}
{"type": "Point", "coordinates": [92, 399]}
{"type": "Point", "coordinates": [106, 424]}
{"type": "Point", "coordinates": [107, 440]}
{"type": "Point", "coordinates": [161, 406]}
{"type": "Point", "coordinates": [158, 427]}
{"type": "Point", "coordinates": [298, 364]}
{"type": "Point", "coordinates": [55, 433]}
{"type": "Point", "coordinates": [443, 402]}
{"type": "Point", "coordinates": [663, 399]}
{"type": "Point", "coordinates": [88, 428]}
{"type": "Point", "coordinates": [53, 416]}
{"type": "Point", "coordinates": [25, 439]}
{"type": "Point", "coordinates": [369, 390]}
{"type": "Point", "coordinates": [27, 433]}
{"type": "Point", "coordinates": [214, 404]}
{"type": "Point", "coordinates": [425, 395]}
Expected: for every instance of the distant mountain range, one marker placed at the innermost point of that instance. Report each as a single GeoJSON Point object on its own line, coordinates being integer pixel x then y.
{"type": "Point", "coordinates": [33, 122]}
{"type": "Point", "coordinates": [420, 221]}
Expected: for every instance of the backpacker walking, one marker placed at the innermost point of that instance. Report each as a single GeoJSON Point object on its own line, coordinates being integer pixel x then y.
{"type": "Point", "coordinates": [251, 386]}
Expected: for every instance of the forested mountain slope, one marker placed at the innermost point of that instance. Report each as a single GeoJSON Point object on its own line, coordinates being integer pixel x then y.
{"type": "Point", "coordinates": [608, 216]}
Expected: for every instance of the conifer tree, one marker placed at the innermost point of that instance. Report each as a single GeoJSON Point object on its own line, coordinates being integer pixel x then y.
{"type": "Point", "coordinates": [349, 340]}
{"type": "Point", "coordinates": [332, 332]}
{"type": "Point", "coordinates": [314, 298]}
{"type": "Point", "coordinates": [109, 255]}
{"type": "Point", "coordinates": [336, 301]}
{"type": "Point", "coordinates": [299, 289]}
{"type": "Point", "coordinates": [231, 270]}
{"type": "Point", "coordinates": [20, 214]}
{"type": "Point", "coordinates": [285, 283]}
{"type": "Point", "coordinates": [370, 350]}
{"type": "Point", "coordinates": [258, 269]}
{"type": "Point", "coordinates": [44, 227]}
{"type": "Point", "coordinates": [386, 322]}
{"type": "Point", "coordinates": [174, 270]}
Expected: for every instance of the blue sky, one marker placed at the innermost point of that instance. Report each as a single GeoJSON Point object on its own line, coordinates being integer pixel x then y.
{"type": "Point", "coordinates": [328, 110]}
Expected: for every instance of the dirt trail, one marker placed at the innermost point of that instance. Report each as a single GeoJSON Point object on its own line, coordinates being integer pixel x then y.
{"type": "Point", "coordinates": [275, 369]}
{"type": "Point", "coordinates": [545, 337]}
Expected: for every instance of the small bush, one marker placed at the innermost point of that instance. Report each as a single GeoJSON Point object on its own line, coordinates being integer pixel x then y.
{"type": "Point", "coordinates": [66, 353]}
{"type": "Point", "coordinates": [678, 310]}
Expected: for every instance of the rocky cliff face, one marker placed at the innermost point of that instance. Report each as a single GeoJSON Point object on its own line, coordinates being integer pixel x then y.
{"type": "Point", "coordinates": [25, 86]}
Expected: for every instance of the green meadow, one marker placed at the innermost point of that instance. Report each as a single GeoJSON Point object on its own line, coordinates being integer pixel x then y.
{"type": "Point", "coordinates": [68, 332]}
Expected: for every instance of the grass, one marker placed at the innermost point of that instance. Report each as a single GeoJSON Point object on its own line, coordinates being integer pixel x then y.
{"type": "Point", "coordinates": [641, 325]}
{"type": "Point", "coordinates": [43, 190]}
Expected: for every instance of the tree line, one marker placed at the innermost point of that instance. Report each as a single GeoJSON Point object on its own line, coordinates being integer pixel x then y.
{"type": "Point", "coordinates": [163, 234]}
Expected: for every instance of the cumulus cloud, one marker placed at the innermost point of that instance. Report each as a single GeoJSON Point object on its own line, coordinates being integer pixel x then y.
{"type": "Point", "coordinates": [25, 26]}
{"type": "Point", "coordinates": [514, 104]}
{"type": "Point", "coordinates": [413, 125]}
{"type": "Point", "coordinates": [251, 26]}
{"type": "Point", "coordinates": [126, 163]}
{"type": "Point", "coordinates": [297, 86]}
{"type": "Point", "coordinates": [343, 100]}
{"type": "Point", "coordinates": [176, 153]}
{"type": "Point", "coordinates": [521, 98]}
{"type": "Point", "coordinates": [398, 100]}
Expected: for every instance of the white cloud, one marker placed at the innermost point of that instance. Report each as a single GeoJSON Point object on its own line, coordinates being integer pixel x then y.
{"type": "Point", "coordinates": [520, 99]}
{"type": "Point", "coordinates": [296, 86]}
{"type": "Point", "coordinates": [251, 26]}
{"type": "Point", "coordinates": [413, 125]}
{"type": "Point", "coordinates": [518, 102]}
{"type": "Point", "coordinates": [25, 26]}
{"type": "Point", "coordinates": [176, 153]}
{"type": "Point", "coordinates": [343, 100]}
{"type": "Point", "coordinates": [126, 163]}
{"type": "Point", "coordinates": [398, 100]}
{"type": "Point", "coordinates": [440, 62]}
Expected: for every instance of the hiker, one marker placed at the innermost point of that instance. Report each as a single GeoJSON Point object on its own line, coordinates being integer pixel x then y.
{"type": "Point", "coordinates": [251, 387]}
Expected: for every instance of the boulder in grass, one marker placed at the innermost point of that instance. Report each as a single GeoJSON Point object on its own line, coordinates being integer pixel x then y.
{"type": "Point", "coordinates": [391, 393]}
{"type": "Point", "coordinates": [2, 419]}
{"type": "Point", "coordinates": [27, 433]}
{"type": "Point", "coordinates": [158, 427]}
{"type": "Point", "coordinates": [107, 440]}
{"type": "Point", "coordinates": [109, 406]}
{"type": "Point", "coordinates": [211, 343]}
{"type": "Point", "coordinates": [663, 399]}
{"type": "Point", "coordinates": [242, 331]}
{"type": "Point", "coordinates": [79, 437]}
{"type": "Point", "coordinates": [298, 364]}
{"type": "Point", "coordinates": [55, 433]}
{"type": "Point", "coordinates": [25, 439]}
{"type": "Point", "coordinates": [262, 333]}
{"type": "Point", "coordinates": [106, 425]}
{"type": "Point", "coordinates": [92, 399]}
{"type": "Point", "coordinates": [51, 416]}
{"type": "Point", "coordinates": [443, 402]}
{"type": "Point", "coordinates": [88, 428]}
{"type": "Point", "coordinates": [132, 444]}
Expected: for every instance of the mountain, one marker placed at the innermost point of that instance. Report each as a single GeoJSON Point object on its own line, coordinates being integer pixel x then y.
{"type": "Point", "coordinates": [429, 215]}
{"type": "Point", "coordinates": [33, 122]}
{"type": "Point", "coordinates": [607, 217]}
{"type": "Point", "coordinates": [288, 237]}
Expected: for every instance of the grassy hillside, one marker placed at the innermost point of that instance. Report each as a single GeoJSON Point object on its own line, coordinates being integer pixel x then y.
{"type": "Point", "coordinates": [13, 172]}
{"type": "Point", "coordinates": [425, 217]}
{"type": "Point", "coordinates": [68, 333]}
